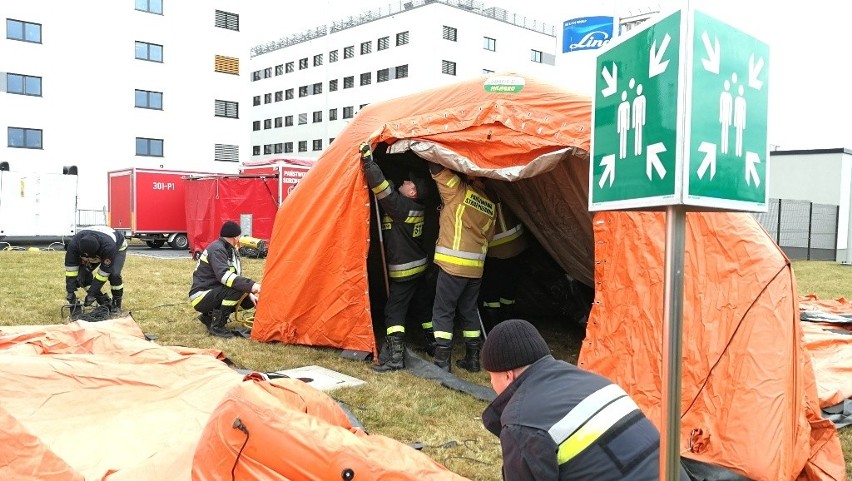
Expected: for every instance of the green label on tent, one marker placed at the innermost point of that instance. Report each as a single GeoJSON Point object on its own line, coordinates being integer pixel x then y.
{"type": "Point", "coordinates": [504, 84]}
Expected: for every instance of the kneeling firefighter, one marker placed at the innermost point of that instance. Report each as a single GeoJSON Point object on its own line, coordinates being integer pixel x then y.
{"type": "Point", "coordinates": [217, 284]}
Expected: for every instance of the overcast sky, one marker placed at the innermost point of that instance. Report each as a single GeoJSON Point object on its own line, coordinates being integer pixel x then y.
{"type": "Point", "coordinates": [810, 98]}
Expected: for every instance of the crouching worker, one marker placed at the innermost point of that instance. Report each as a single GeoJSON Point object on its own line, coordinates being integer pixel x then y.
{"type": "Point", "coordinates": [217, 284]}
{"type": "Point", "coordinates": [93, 256]}
{"type": "Point", "coordinates": [557, 421]}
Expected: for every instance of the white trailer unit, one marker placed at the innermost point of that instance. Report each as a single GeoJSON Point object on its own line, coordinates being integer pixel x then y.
{"type": "Point", "coordinates": [37, 206]}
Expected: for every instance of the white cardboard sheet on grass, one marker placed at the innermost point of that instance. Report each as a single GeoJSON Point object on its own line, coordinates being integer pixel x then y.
{"type": "Point", "coordinates": [322, 378]}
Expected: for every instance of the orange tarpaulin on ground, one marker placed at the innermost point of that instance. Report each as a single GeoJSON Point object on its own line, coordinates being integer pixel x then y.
{"type": "Point", "coordinates": [96, 401]}
{"type": "Point", "coordinates": [749, 386]}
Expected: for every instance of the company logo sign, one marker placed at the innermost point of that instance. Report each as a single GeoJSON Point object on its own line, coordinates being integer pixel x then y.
{"type": "Point", "coordinates": [586, 33]}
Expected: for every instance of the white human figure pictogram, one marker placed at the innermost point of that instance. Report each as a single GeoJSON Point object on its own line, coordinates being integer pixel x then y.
{"type": "Point", "coordinates": [739, 120]}
{"type": "Point", "coordinates": [725, 113]}
{"type": "Point", "coordinates": [623, 125]}
{"type": "Point", "coordinates": [638, 120]}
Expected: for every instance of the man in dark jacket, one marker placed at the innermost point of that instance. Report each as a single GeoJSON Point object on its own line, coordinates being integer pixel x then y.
{"type": "Point", "coordinates": [94, 255]}
{"type": "Point", "coordinates": [407, 262]}
{"type": "Point", "coordinates": [217, 284]}
{"type": "Point", "coordinates": [556, 421]}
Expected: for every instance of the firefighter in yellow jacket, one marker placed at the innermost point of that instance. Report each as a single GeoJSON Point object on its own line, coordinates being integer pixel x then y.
{"type": "Point", "coordinates": [466, 225]}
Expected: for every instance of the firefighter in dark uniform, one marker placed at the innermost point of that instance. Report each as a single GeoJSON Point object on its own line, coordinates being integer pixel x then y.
{"type": "Point", "coordinates": [503, 266]}
{"type": "Point", "coordinates": [217, 284]}
{"type": "Point", "coordinates": [93, 256]}
{"type": "Point", "coordinates": [556, 421]}
{"type": "Point", "coordinates": [407, 262]}
{"type": "Point", "coordinates": [466, 228]}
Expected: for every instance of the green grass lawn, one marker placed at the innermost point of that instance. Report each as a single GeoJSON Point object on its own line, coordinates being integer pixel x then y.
{"type": "Point", "coordinates": [399, 405]}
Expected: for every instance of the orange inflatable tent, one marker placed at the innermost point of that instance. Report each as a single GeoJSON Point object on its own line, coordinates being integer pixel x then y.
{"type": "Point", "coordinates": [749, 399]}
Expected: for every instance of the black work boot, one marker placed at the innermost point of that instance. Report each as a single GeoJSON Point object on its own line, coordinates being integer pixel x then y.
{"type": "Point", "coordinates": [115, 307]}
{"type": "Point", "coordinates": [470, 362]}
{"type": "Point", "coordinates": [217, 324]}
{"type": "Point", "coordinates": [206, 318]}
{"type": "Point", "coordinates": [443, 357]}
{"type": "Point", "coordinates": [395, 348]}
{"type": "Point", "coordinates": [429, 341]}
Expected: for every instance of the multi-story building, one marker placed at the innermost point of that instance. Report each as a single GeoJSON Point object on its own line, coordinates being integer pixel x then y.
{"type": "Point", "coordinates": [154, 83]}
{"type": "Point", "coordinates": [306, 87]}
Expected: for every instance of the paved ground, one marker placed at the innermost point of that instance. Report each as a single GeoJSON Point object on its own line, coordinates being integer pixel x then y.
{"type": "Point", "coordinates": [134, 249]}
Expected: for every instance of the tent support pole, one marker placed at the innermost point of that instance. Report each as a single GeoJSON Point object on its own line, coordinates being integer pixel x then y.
{"type": "Point", "coordinates": [382, 245]}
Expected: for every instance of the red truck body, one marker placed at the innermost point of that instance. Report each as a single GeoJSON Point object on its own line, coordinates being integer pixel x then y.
{"type": "Point", "coordinates": [149, 204]}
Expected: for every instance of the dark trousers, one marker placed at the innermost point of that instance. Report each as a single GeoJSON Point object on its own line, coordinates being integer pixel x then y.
{"type": "Point", "coordinates": [116, 282]}
{"type": "Point", "coordinates": [453, 295]}
{"type": "Point", "coordinates": [407, 298]}
{"type": "Point", "coordinates": [499, 281]}
{"type": "Point", "coordinates": [223, 298]}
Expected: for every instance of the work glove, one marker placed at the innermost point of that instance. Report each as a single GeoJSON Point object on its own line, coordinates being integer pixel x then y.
{"type": "Point", "coordinates": [71, 298]}
{"type": "Point", "coordinates": [90, 299]}
{"type": "Point", "coordinates": [366, 153]}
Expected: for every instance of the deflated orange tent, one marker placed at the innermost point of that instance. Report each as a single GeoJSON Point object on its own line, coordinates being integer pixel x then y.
{"type": "Point", "coordinates": [96, 401]}
{"type": "Point", "coordinates": [749, 397]}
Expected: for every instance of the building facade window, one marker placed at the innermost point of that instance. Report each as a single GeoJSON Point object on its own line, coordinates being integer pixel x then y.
{"type": "Point", "coordinates": [450, 33]}
{"type": "Point", "coordinates": [267, 98]}
{"type": "Point", "coordinates": [256, 100]}
{"type": "Point", "coordinates": [288, 147]}
{"type": "Point", "coordinates": [227, 20]}
{"type": "Point", "coordinates": [24, 138]}
{"type": "Point", "coordinates": [146, 147]}
{"type": "Point", "coordinates": [289, 67]}
{"type": "Point", "coordinates": [279, 96]}
{"type": "Point", "coordinates": [149, 51]}
{"type": "Point", "coordinates": [317, 145]}
{"type": "Point", "coordinates": [278, 148]}
{"type": "Point", "coordinates": [23, 84]}
{"type": "Point", "coordinates": [267, 72]}
{"type": "Point", "coordinates": [383, 43]}
{"type": "Point", "coordinates": [23, 31]}
{"type": "Point", "coordinates": [383, 75]}
{"type": "Point", "coordinates": [150, 6]}
{"type": "Point", "coordinates": [146, 99]}
{"type": "Point", "coordinates": [349, 52]}
{"type": "Point", "coordinates": [402, 38]}
{"type": "Point", "coordinates": [227, 108]}
{"type": "Point", "coordinates": [317, 60]}
{"type": "Point", "coordinates": [303, 118]}
{"type": "Point", "coordinates": [230, 65]}
{"type": "Point", "coordinates": [267, 149]}
{"type": "Point", "coordinates": [401, 71]}
{"type": "Point", "coordinates": [267, 124]}
{"type": "Point", "coordinates": [255, 126]}
{"type": "Point", "coordinates": [366, 47]}
{"type": "Point", "coordinates": [226, 153]}
{"type": "Point", "coordinates": [332, 114]}
{"type": "Point", "coordinates": [288, 94]}
{"type": "Point", "coordinates": [317, 88]}
{"type": "Point", "coordinates": [279, 70]}
{"type": "Point", "coordinates": [448, 67]}
{"type": "Point", "coordinates": [303, 146]}
{"type": "Point", "coordinates": [255, 76]}
{"type": "Point", "coordinates": [303, 63]}
{"type": "Point", "coordinates": [332, 85]}
{"type": "Point", "coordinates": [347, 112]}
{"type": "Point", "coordinates": [303, 91]}
{"type": "Point", "coordinates": [288, 121]}
{"type": "Point", "coordinates": [489, 43]}
{"type": "Point", "coordinates": [535, 56]}
{"type": "Point", "coordinates": [332, 56]}
{"type": "Point", "coordinates": [279, 121]}
{"type": "Point", "coordinates": [255, 150]}
{"type": "Point", "coordinates": [366, 78]}
{"type": "Point", "coordinates": [318, 116]}
{"type": "Point", "coordinates": [348, 82]}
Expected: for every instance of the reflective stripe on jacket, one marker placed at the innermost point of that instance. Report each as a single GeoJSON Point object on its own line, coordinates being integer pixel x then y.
{"type": "Point", "coordinates": [219, 264]}
{"type": "Point", "coordinates": [509, 237]}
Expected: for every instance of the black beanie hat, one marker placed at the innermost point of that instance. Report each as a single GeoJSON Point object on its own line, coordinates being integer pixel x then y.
{"type": "Point", "coordinates": [88, 244]}
{"type": "Point", "coordinates": [230, 229]}
{"type": "Point", "coordinates": [420, 183]}
{"type": "Point", "coordinates": [512, 344]}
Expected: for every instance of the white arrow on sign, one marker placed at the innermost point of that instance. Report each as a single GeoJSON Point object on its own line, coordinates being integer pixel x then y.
{"type": "Point", "coordinates": [753, 71]}
{"type": "Point", "coordinates": [652, 160]}
{"type": "Point", "coordinates": [611, 80]}
{"type": "Point", "coordinates": [709, 150]}
{"type": "Point", "coordinates": [656, 65]}
{"type": "Point", "coordinates": [751, 159]}
{"type": "Point", "coordinates": [711, 63]}
{"type": "Point", "coordinates": [608, 163]}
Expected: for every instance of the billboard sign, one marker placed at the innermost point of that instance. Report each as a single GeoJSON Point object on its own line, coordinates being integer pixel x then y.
{"type": "Point", "coordinates": [586, 33]}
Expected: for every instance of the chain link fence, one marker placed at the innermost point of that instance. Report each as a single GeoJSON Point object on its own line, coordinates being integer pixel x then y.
{"type": "Point", "coordinates": [803, 230]}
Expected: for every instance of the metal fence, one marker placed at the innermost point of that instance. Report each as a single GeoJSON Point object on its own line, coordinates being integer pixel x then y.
{"type": "Point", "coordinates": [803, 230]}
